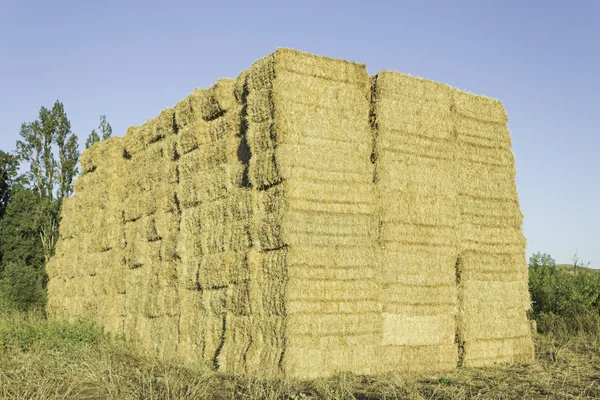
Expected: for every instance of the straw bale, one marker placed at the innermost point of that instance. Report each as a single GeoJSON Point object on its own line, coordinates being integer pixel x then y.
{"type": "Point", "coordinates": [400, 330]}
{"type": "Point", "coordinates": [189, 245]}
{"type": "Point", "coordinates": [268, 278]}
{"type": "Point", "coordinates": [490, 211]}
{"type": "Point", "coordinates": [487, 352]}
{"type": "Point", "coordinates": [416, 175]}
{"type": "Point", "coordinates": [315, 362]}
{"type": "Point", "coordinates": [393, 233]}
{"type": "Point", "coordinates": [402, 293]}
{"type": "Point", "coordinates": [206, 185]}
{"type": "Point", "coordinates": [86, 182]}
{"type": "Point", "coordinates": [284, 59]}
{"type": "Point", "coordinates": [266, 350]}
{"type": "Point", "coordinates": [418, 208]}
{"type": "Point", "coordinates": [187, 111]}
{"type": "Point", "coordinates": [238, 299]}
{"type": "Point", "coordinates": [328, 290]}
{"type": "Point", "coordinates": [430, 120]}
{"type": "Point", "coordinates": [478, 107]}
{"type": "Point", "coordinates": [219, 98]}
{"type": "Point", "coordinates": [418, 358]}
{"type": "Point", "coordinates": [240, 90]}
{"type": "Point", "coordinates": [325, 272]}
{"type": "Point", "coordinates": [232, 358]}
{"type": "Point", "coordinates": [270, 167]}
{"type": "Point", "coordinates": [330, 257]}
{"type": "Point", "coordinates": [139, 204]}
{"type": "Point", "coordinates": [218, 270]}
{"type": "Point", "coordinates": [482, 133]}
{"type": "Point", "coordinates": [109, 150]}
{"type": "Point", "coordinates": [214, 331]}
{"type": "Point", "coordinates": [161, 295]}
{"type": "Point", "coordinates": [310, 306]}
{"type": "Point", "coordinates": [191, 325]}
{"type": "Point", "coordinates": [69, 227]}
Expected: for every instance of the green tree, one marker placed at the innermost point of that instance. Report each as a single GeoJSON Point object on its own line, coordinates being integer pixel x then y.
{"type": "Point", "coordinates": [105, 130]}
{"type": "Point", "coordinates": [21, 287]}
{"type": "Point", "coordinates": [20, 239]}
{"type": "Point", "coordinates": [564, 300]}
{"type": "Point", "coordinates": [50, 148]}
{"type": "Point", "coordinates": [8, 174]}
{"type": "Point", "coordinates": [93, 138]}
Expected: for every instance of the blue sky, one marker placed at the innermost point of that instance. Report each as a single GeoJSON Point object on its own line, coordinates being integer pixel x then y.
{"type": "Point", "coordinates": [131, 59]}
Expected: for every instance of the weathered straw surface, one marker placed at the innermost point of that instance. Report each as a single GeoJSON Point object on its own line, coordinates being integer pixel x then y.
{"type": "Point", "coordinates": [493, 293]}
{"type": "Point", "coordinates": [415, 180]}
{"type": "Point", "coordinates": [310, 141]}
{"type": "Point", "coordinates": [304, 219]}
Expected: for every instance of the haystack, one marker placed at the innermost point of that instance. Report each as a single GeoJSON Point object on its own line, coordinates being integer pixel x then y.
{"type": "Point", "coordinates": [300, 220]}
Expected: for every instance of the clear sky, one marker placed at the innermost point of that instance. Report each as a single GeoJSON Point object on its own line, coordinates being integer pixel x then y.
{"type": "Point", "coordinates": [131, 59]}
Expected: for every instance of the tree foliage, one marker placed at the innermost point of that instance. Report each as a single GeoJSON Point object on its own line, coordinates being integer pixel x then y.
{"type": "Point", "coordinates": [21, 287]}
{"type": "Point", "coordinates": [8, 174]}
{"type": "Point", "coordinates": [105, 130]}
{"type": "Point", "coordinates": [20, 239]}
{"type": "Point", "coordinates": [564, 300]}
{"type": "Point", "coordinates": [51, 150]}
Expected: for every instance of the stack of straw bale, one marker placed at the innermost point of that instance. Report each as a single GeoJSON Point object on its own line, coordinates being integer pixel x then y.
{"type": "Point", "coordinates": [313, 264]}
{"type": "Point", "coordinates": [491, 269]}
{"type": "Point", "coordinates": [415, 179]}
{"type": "Point", "coordinates": [300, 220]}
{"type": "Point", "coordinates": [89, 261]}
{"type": "Point", "coordinates": [152, 223]}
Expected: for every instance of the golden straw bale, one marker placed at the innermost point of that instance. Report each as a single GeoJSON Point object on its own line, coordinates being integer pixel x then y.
{"type": "Point", "coordinates": [191, 326]}
{"type": "Point", "coordinates": [220, 98]}
{"type": "Point", "coordinates": [232, 358]}
{"type": "Point", "coordinates": [268, 279]}
{"type": "Point", "coordinates": [510, 349]}
{"type": "Point", "coordinates": [478, 107]}
{"type": "Point", "coordinates": [418, 358]}
{"type": "Point", "coordinates": [221, 269]}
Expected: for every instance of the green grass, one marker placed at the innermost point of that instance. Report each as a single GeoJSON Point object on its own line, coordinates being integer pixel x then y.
{"type": "Point", "coordinates": [45, 359]}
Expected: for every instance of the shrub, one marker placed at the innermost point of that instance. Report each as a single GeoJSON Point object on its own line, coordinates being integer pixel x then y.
{"type": "Point", "coordinates": [21, 287]}
{"type": "Point", "coordinates": [564, 301]}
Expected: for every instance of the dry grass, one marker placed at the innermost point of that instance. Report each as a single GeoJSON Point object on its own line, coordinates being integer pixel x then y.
{"type": "Point", "coordinates": [43, 359]}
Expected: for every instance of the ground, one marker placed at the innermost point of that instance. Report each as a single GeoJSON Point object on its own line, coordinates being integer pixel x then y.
{"type": "Point", "coordinates": [41, 359]}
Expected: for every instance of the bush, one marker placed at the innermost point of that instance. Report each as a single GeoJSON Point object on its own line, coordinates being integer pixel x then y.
{"type": "Point", "coordinates": [21, 287]}
{"type": "Point", "coordinates": [564, 301]}
{"type": "Point", "coordinates": [27, 330]}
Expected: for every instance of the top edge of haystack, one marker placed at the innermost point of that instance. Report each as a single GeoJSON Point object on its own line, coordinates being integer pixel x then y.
{"type": "Point", "coordinates": [100, 153]}
{"type": "Point", "coordinates": [303, 63]}
{"type": "Point", "coordinates": [465, 103]}
{"type": "Point", "coordinates": [139, 138]}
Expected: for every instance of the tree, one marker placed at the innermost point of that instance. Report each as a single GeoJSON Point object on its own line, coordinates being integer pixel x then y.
{"type": "Point", "coordinates": [21, 287]}
{"type": "Point", "coordinates": [104, 128]}
{"type": "Point", "coordinates": [93, 138]}
{"type": "Point", "coordinates": [20, 239]}
{"type": "Point", "coordinates": [51, 150]}
{"type": "Point", "coordinates": [8, 174]}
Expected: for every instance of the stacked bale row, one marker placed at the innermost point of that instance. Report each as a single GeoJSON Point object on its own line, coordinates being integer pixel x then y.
{"type": "Point", "coordinates": [415, 180]}
{"type": "Point", "coordinates": [151, 216]}
{"type": "Point", "coordinates": [89, 256]}
{"type": "Point", "coordinates": [492, 272]}
{"type": "Point", "coordinates": [215, 224]}
{"type": "Point", "coordinates": [314, 204]}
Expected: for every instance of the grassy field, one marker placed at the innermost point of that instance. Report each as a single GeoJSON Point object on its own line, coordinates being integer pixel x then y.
{"type": "Point", "coordinates": [43, 359]}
